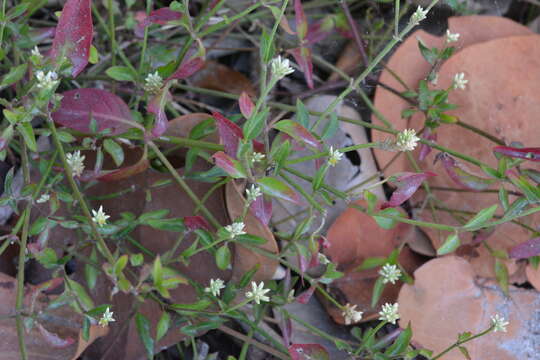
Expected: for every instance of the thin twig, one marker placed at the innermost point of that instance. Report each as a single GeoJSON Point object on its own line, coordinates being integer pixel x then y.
{"type": "Point", "coordinates": [356, 34]}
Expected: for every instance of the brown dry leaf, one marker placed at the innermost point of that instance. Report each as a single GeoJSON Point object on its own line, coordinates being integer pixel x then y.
{"type": "Point", "coordinates": [60, 326]}
{"type": "Point", "coordinates": [533, 276]}
{"type": "Point", "coordinates": [216, 76]}
{"type": "Point", "coordinates": [446, 300]}
{"type": "Point", "coordinates": [354, 237]}
{"type": "Point", "coordinates": [246, 259]}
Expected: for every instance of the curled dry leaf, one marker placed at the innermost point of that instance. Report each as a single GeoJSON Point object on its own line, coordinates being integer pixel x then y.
{"type": "Point", "coordinates": [78, 107]}
{"type": "Point", "coordinates": [216, 76]}
{"type": "Point", "coordinates": [491, 39]}
{"type": "Point", "coordinates": [445, 300]}
{"type": "Point", "coordinates": [246, 259]}
{"type": "Point", "coordinates": [73, 35]}
{"type": "Point", "coordinates": [354, 237]}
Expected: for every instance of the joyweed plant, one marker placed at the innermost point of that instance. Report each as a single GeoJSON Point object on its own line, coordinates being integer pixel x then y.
{"type": "Point", "coordinates": [66, 107]}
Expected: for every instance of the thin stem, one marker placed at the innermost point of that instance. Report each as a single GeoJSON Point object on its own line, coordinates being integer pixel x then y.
{"type": "Point", "coordinates": [459, 343]}
{"type": "Point", "coordinates": [304, 193]}
{"type": "Point", "coordinates": [112, 31]}
{"type": "Point", "coordinates": [255, 343]}
{"type": "Point", "coordinates": [356, 34]}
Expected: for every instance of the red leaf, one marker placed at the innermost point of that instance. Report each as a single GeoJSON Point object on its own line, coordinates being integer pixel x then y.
{"type": "Point", "coordinates": [160, 16]}
{"type": "Point", "coordinates": [258, 147]}
{"type": "Point", "coordinates": [426, 149]}
{"type": "Point", "coordinates": [261, 209]}
{"type": "Point", "coordinates": [53, 339]}
{"type": "Point", "coordinates": [229, 133]}
{"type": "Point", "coordinates": [157, 107]}
{"type": "Point", "coordinates": [73, 34]}
{"type": "Point", "coordinates": [125, 172]}
{"type": "Point", "coordinates": [301, 21]}
{"type": "Point", "coordinates": [318, 32]}
{"type": "Point", "coordinates": [304, 297]}
{"type": "Point", "coordinates": [79, 106]}
{"type": "Point", "coordinates": [298, 132]}
{"type": "Point", "coordinates": [196, 222]}
{"type": "Point", "coordinates": [231, 166]}
{"type": "Point", "coordinates": [308, 352]}
{"type": "Point", "coordinates": [302, 56]}
{"type": "Point", "coordinates": [532, 154]}
{"type": "Point", "coordinates": [460, 175]}
{"type": "Point", "coordinates": [526, 250]}
{"type": "Point", "coordinates": [407, 183]}
{"type": "Point", "coordinates": [187, 68]}
{"type": "Point", "coordinates": [246, 105]}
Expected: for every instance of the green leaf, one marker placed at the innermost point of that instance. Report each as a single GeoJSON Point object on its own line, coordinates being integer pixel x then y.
{"type": "Point", "coordinates": [90, 271]}
{"type": "Point", "coordinates": [163, 325]}
{"type": "Point", "coordinates": [47, 258]}
{"type": "Point", "coordinates": [115, 150]}
{"type": "Point", "coordinates": [278, 189]}
{"type": "Point", "coordinates": [15, 74]}
{"type": "Point", "coordinates": [121, 73]}
{"type": "Point", "coordinates": [38, 226]}
{"type": "Point", "coordinates": [223, 257]}
{"type": "Point", "coordinates": [450, 245]}
{"type": "Point", "coordinates": [267, 47]}
{"type": "Point", "coordinates": [280, 153]}
{"type": "Point", "coordinates": [65, 137]}
{"type": "Point", "coordinates": [143, 329]}
{"type": "Point", "coordinates": [175, 224]}
{"type": "Point", "coordinates": [81, 293]}
{"type": "Point", "coordinates": [157, 272]}
{"type": "Point", "coordinates": [298, 132]}
{"type": "Point", "coordinates": [156, 214]}
{"type": "Point", "coordinates": [250, 239]}
{"type": "Point", "coordinates": [136, 259]}
{"type": "Point", "coordinates": [402, 342]}
{"type": "Point", "coordinates": [331, 127]}
{"type": "Point", "coordinates": [255, 124]}
{"type": "Point", "coordinates": [27, 132]}
{"type": "Point", "coordinates": [86, 328]}
{"type": "Point", "coordinates": [431, 55]}
{"type": "Point", "coordinates": [196, 329]}
{"type": "Point", "coordinates": [93, 58]}
{"type": "Point", "coordinates": [318, 179]}
{"type": "Point", "coordinates": [481, 218]}
{"type": "Point", "coordinates": [372, 262]}
{"type": "Point", "coordinates": [371, 200]}
{"type": "Point", "coordinates": [302, 115]}
{"type": "Point", "coordinates": [387, 223]}
{"type": "Point", "coordinates": [197, 306]}
{"type": "Point", "coordinates": [120, 264]}
{"type": "Point", "coordinates": [378, 289]}
{"type": "Point", "coordinates": [465, 352]}
{"type": "Point", "coordinates": [503, 198]}
{"type": "Point", "coordinates": [501, 273]}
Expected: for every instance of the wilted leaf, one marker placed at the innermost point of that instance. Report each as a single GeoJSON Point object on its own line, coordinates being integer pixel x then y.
{"type": "Point", "coordinates": [79, 106]}
{"type": "Point", "coordinates": [308, 352]}
{"type": "Point", "coordinates": [302, 55]}
{"type": "Point", "coordinates": [73, 36]}
{"type": "Point", "coordinates": [187, 68]}
{"type": "Point", "coordinates": [461, 176]}
{"type": "Point", "coordinates": [407, 184]}
{"type": "Point", "coordinates": [246, 105]}
{"type": "Point", "coordinates": [157, 107]}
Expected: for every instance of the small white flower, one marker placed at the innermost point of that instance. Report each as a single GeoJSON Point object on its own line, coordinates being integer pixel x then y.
{"type": "Point", "coordinates": [215, 287]}
{"type": "Point", "coordinates": [235, 229]}
{"type": "Point", "coordinates": [257, 157]}
{"type": "Point", "coordinates": [106, 318]}
{"type": "Point", "coordinates": [281, 67]}
{"type": "Point", "coordinates": [35, 52]}
{"type": "Point", "coordinates": [499, 323]}
{"type": "Point", "coordinates": [76, 163]}
{"type": "Point", "coordinates": [290, 296]}
{"type": "Point", "coordinates": [419, 15]}
{"type": "Point", "coordinates": [334, 156]}
{"type": "Point", "coordinates": [390, 273]}
{"type": "Point", "coordinates": [389, 313]}
{"type": "Point", "coordinates": [406, 140]}
{"type": "Point", "coordinates": [99, 217]}
{"type": "Point", "coordinates": [257, 293]}
{"type": "Point", "coordinates": [460, 81]}
{"type": "Point", "coordinates": [451, 37]}
{"type": "Point", "coordinates": [351, 315]}
{"type": "Point", "coordinates": [46, 81]}
{"type": "Point", "coordinates": [153, 83]}
{"type": "Point", "coordinates": [253, 193]}
{"type": "Point", "coordinates": [43, 198]}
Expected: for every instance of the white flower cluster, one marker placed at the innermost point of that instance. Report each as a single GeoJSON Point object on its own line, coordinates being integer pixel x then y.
{"type": "Point", "coordinates": [153, 83]}
{"type": "Point", "coordinates": [351, 315]}
{"type": "Point", "coordinates": [389, 313]}
{"type": "Point", "coordinates": [280, 68]}
{"type": "Point", "coordinates": [258, 293]}
{"type": "Point", "coordinates": [253, 193]}
{"type": "Point", "coordinates": [215, 287]}
{"type": "Point", "coordinates": [76, 163]}
{"type": "Point", "coordinates": [235, 229]}
{"type": "Point", "coordinates": [499, 323]}
{"type": "Point", "coordinates": [460, 81]}
{"type": "Point", "coordinates": [451, 37]}
{"type": "Point", "coordinates": [334, 156]}
{"type": "Point", "coordinates": [47, 81]}
{"type": "Point", "coordinates": [406, 140]}
{"type": "Point", "coordinates": [419, 15]}
{"type": "Point", "coordinates": [390, 273]}
{"type": "Point", "coordinates": [106, 318]}
{"type": "Point", "coordinates": [99, 217]}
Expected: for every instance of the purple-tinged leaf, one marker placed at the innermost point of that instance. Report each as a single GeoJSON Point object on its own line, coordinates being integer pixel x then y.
{"type": "Point", "coordinates": [304, 297]}
{"type": "Point", "coordinates": [286, 330]}
{"type": "Point", "coordinates": [482, 235]}
{"type": "Point", "coordinates": [301, 20]}
{"type": "Point", "coordinates": [231, 166]}
{"type": "Point", "coordinates": [302, 55]}
{"type": "Point", "coordinates": [308, 352]}
{"type": "Point", "coordinates": [532, 154]}
{"type": "Point", "coordinates": [40, 34]}
{"type": "Point", "coordinates": [298, 132]}
{"type": "Point", "coordinates": [193, 223]}
{"type": "Point", "coordinates": [229, 133]}
{"type": "Point", "coordinates": [246, 105]}
{"type": "Point", "coordinates": [319, 31]}
{"type": "Point", "coordinates": [78, 107]}
{"type": "Point", "coordinates": [261, 209]}
{"type": "Point", "coordinates": [424, 148]}
{"type": "Point", "coordinates": [461, 176]}
{"type": "Point", "coordinates": [526, 250]}
{"type": "Point", "coordinates": [53, 339]}
{"type": "Point", "coordinates": [258, 147]}
{"type": "Point", "coordinates": [187, 68]}
{"type": "Point", "coordinates": [278, 189]}
{"type": "Point", "coordinates": [407, 184]}
{"type": "Point", "coordinates": [73, 36]}
{"type": "Point", "coordinates": [160, 16]}
{"type": "Point", "coordinates": [157, 107]}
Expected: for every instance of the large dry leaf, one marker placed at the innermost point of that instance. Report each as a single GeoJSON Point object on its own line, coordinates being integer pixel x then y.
{"type": "Point", "coordinates": [446, 300]}
{"type": "Point", "coordinates": [354, 237]}
{"type": "Point", "coordinates": [216, 76]}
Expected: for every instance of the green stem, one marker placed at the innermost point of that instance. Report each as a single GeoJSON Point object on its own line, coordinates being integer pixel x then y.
{"type": "Point", "coordinates": [304, 193]}
{"type": "Point", "coordinates": [301, 175]}
{"type": "Point", "coordinates": [459, 343]}
{"type": "Point", "coordinates": [190, 143]}
{"type": "Point", "coordinates": [112, 31]}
